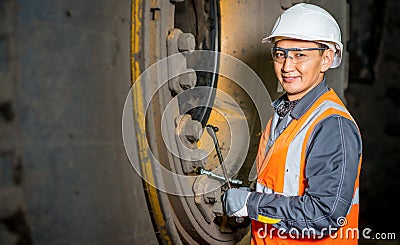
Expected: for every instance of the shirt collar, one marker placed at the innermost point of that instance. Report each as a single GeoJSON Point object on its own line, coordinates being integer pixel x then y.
{"type": "Point", "coordinates": [305, 102]}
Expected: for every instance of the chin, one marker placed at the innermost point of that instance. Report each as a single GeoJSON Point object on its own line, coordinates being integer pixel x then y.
{"type": "Point", "coordinates": [290, 89]}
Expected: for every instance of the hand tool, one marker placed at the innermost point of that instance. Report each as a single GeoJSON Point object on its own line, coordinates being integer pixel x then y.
{"type": "Point", "coordinates": [216, 176]}
{"type": "Point", "coordinates": [211, 130]}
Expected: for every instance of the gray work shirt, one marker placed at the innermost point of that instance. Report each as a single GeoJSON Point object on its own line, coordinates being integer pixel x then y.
{"type": "Point", "coordinates": [332, 158]}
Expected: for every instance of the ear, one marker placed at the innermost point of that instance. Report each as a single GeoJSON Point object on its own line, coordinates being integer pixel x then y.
{"type": "Point", "coordinates": [327, 59]}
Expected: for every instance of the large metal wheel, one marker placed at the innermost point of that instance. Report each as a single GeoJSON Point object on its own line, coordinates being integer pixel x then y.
{"type": "Point", "coordinates": [176, 27]}
{"type": "Point", "coordinates": [164, 36]}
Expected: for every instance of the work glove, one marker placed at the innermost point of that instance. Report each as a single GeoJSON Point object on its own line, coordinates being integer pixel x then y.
{"type": "Point", "coordinates": [235, 201]}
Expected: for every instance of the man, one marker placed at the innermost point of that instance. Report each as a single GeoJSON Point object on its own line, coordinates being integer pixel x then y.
{"type": "Point", "coordinates": [309, 155]}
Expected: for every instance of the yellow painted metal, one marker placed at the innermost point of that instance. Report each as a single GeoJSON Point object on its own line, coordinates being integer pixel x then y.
{"type": "Point", "coordinates": [136, 26]}
{"type": "Point", "coordinates": [139, 112]}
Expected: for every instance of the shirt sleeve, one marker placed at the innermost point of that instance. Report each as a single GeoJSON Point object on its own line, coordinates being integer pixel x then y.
{"type": "Point", "coordinates": [332, 159]}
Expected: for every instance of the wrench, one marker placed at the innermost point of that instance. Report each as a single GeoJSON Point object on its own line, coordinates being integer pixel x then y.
{"type": "Point", "coordinates": [203, 171]}
{"type": "Point", "coordinates": [211, 131]}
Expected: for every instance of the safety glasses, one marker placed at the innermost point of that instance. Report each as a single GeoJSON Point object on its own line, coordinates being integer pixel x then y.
{"type": "Point", "coordinates": [297, 55]}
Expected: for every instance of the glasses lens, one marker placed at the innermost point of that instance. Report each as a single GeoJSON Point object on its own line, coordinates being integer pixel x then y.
{"type": "Point", "coordinates": [278, 55]}
{"type": "Point", "coordinates": [297, 55]}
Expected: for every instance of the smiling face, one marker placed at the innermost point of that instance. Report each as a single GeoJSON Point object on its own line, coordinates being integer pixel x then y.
{"type": "Point", "coordinates": [299, 78]}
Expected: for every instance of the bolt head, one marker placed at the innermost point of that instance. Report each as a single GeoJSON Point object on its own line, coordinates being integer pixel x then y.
{"type": "Point", "coordinates": [186, 42]}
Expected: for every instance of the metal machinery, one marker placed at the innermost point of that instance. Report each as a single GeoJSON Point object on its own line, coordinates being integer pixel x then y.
{"type": "Point", "coordinates": [178, 29]}
{"type": "Point", "coordinates": [66, 69]}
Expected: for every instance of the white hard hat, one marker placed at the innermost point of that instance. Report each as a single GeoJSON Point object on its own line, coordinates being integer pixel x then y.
{"type": "Point", "coordinates": [311, 23]}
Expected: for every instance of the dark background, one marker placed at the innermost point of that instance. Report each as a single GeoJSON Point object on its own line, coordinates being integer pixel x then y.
{"type": "Point", "coordinates": [373, 98]}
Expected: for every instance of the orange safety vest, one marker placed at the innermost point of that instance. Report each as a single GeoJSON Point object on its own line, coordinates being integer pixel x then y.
{"type": "Point", "coordinates": [272, 174]}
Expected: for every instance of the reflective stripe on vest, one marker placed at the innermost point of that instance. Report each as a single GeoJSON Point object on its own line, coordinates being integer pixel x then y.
{"type": "Point", "coordinates": [293, 158]}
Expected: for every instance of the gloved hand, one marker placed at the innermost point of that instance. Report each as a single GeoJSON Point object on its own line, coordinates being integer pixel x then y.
{"type": "Point", "coordinates": [235, 201]}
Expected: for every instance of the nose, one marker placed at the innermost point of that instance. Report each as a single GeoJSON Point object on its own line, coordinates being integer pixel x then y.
{"type": "Point", "coordinates": [288, 64]}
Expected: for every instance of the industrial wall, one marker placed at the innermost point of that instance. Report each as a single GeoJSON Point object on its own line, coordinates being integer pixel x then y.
{"type": "Point", "coordinates": [64, 174]}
